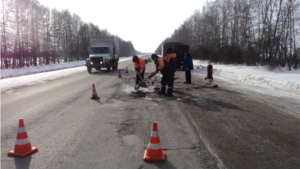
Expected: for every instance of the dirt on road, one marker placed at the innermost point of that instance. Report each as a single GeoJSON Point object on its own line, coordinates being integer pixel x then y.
{"type": "Point", "coordinates": [239, 128]}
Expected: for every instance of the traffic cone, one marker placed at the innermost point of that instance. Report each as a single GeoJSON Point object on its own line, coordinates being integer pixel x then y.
{"type": "Point", "coordinates": [95, 96]}
{"type": "Point", "coordinates": [154, 151]}
{"type": "Point", "coordinates": [22, 146]}
{"type": "Point", "coordinates": [120, 76]}
{"type": "Point", "coordinates": [126, 70]}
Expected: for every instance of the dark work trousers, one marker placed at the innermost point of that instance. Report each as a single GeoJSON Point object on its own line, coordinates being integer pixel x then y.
{"type": "Point", "coordinates": [169, 80]}
{"type": "Point", "coordinates": [188, 76]}
{"type": "Point", "coordinates": [138, 79]}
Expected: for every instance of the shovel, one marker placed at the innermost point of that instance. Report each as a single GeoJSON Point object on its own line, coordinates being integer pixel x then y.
{"type": "Point", "coordinates": [141, 84]}
{"type": "Point", "coordinates": [143, 81]}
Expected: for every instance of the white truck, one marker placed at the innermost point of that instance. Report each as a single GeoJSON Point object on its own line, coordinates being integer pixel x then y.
{"type": "Point", "coordinates": [103, 53]}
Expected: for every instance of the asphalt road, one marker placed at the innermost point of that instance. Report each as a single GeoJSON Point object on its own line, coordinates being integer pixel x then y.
{"type": "Point", "coordinates": [71, 130]}
{"type": "Point", "coordinates": [200, 127]}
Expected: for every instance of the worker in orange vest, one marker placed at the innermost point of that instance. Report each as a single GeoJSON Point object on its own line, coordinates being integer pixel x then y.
{"type": "Point", "coordinates": [168, 74]}
{"type": "Point", "coordinates": [140, 67]}
{"type": "Point", "coordinates": [171, 58]}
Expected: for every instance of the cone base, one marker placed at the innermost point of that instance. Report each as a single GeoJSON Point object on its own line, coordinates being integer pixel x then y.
{"type": "Point", "coordinates": [119, 76]}
{"type": "Point", "coordinates": [155, 159]}
{"type": "Point", "coordinates": [13, 154]}
{"type": "Point", "coordinates": [95, 98]}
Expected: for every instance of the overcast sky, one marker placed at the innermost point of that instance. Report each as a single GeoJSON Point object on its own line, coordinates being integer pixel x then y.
{"type": "Point", "coordinates": [144, 22]}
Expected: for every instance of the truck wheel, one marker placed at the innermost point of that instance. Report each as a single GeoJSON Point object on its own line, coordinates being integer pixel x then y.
{"type": "Point", "coordinates": [89, 69]}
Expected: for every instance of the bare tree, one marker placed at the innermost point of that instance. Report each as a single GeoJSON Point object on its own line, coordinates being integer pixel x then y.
{"type": "Point", "coordinates": [32, 35]}
{"type": "Point", "coordinates": [5, 14]}
{"type": "Point", "coordinates": [244, 31]}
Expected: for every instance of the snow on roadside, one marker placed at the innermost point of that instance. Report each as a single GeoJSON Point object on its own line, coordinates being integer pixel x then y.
{"type": "Point", "coordinates": [260, 81]}
{"type": "Point", "coordinates": [6, 73]}
{"type": "Point", "coordinates": [11, 78]}
{"type": "Point", "coordinates": [38, 78]}
{"type": "Point", "coordinates": [288, 81]}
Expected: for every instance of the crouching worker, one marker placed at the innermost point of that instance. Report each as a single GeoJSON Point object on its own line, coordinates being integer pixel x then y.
{"type": "Point", "coordinates": [140, 67]}
{"type": "Point", "coordinates": [168, 74]}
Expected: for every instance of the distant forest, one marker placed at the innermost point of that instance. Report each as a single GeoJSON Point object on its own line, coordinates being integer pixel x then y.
{"type": "Point", "coordinates": [32, 34]}
{"type": "Point", "coordinates": [251, 32]}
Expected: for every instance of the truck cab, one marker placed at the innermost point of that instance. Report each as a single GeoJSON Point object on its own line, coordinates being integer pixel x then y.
{"type": "Point", "coordinates": [103, 53]}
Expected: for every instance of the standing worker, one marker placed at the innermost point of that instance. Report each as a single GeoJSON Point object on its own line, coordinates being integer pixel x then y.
{"type": "Point", "coordinates": [171, 58]}
{"type": "Point", "coordinates": [140, 67]}
{"type": "Point", "coordinates": [168, 74]}
{"type": "Point", "coordinates": [188, 66]}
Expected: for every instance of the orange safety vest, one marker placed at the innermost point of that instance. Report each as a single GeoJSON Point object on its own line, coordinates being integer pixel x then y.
{"type": "Point", "coordinates": [169, 56]}
{"type": "Point", "coordinates": [141, 66]}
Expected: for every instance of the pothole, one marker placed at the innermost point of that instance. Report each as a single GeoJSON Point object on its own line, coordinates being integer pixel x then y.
{"type": "Point", "coordinates": [126, 128]}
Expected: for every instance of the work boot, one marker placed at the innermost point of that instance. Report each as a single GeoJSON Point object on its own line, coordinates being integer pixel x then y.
{"type": "Point", "coordinates": [169, 92]}
{"type": "Point", "coordinates": [162, 91]}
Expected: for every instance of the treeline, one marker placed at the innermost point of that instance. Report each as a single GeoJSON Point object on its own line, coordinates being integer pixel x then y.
{"type": "Point", "coordinates": [32, 34]}
{"type": "Point", "coordinates": [252, 32]}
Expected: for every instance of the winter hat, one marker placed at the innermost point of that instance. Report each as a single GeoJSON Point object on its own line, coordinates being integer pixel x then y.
{"type": "Point", "coordinates": [135, 59]}
{"type": "Point", "coordinates": [154, 56]}
{"type": "Point", "coordinates": [169, 50]}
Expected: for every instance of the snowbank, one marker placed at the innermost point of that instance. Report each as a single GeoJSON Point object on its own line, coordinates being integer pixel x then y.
{"type": "Point", "coordinates": [279, 79]}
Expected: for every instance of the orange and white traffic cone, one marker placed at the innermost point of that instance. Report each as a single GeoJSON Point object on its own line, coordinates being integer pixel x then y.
{"type": "Point", "coordinates": [126, 70]}
{"type": "Point", "coordinates": [154, 151]}
{"type": "Point", "coordinates": [22, 146]}
{"type": "Point", "coordinates": [120, 76]}
{"type": "Point", "coordinates": [95, 96]}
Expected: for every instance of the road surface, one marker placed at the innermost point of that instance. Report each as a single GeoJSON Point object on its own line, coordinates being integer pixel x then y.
{"type": "Point", "coordinates": [200, 127]}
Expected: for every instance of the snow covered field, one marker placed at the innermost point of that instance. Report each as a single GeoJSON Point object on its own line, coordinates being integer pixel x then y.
{"type": "Point", "coordinates": [279, 82]}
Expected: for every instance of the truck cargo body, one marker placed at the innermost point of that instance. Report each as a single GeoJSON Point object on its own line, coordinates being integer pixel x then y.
{"type": "Point", "coordinates": [103, 53]}
{"type": "Point", "coordinates": [178, 48]}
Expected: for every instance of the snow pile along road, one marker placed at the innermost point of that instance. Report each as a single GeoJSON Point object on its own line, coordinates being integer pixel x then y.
{"type": "Point", "coordinates": [260, 81]}
{"type": "Point", "coordinates": [261, 77]}
{"type": "Point", "coordinates": [6, 73]}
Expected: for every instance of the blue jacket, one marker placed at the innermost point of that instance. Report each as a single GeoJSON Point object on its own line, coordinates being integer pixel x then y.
{"type": "Point", "coordinates": [188, 63]}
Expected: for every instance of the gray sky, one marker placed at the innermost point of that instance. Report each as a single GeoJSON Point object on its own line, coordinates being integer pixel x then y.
{"type": "Point", "coordinates": [144, 22]}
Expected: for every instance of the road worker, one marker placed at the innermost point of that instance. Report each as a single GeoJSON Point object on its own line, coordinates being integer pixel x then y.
{"type": "Point", "coordinates": [168, 74]}
{"type": "Point", "coordinates": [140, 67]}
{"type": "Point", "coordinates": [171, 58]}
